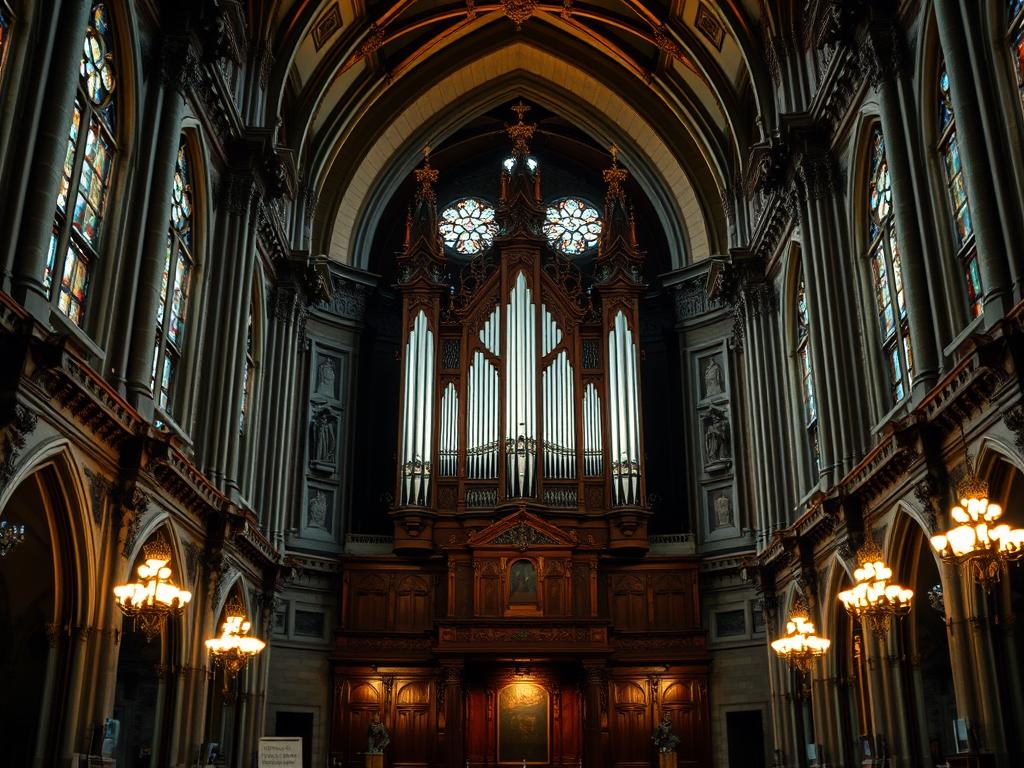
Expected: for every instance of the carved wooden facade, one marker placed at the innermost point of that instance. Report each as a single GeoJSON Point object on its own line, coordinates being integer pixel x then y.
{"type": "Point", "coordinates": [520, 520]}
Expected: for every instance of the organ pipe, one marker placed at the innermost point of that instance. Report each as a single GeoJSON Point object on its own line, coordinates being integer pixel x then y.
{"type": "Point", "coordinates": [593, 451]}
{"type": "Point", "coordinates": [448, 449]}
{"type": "Point", "coordinates": [559, 421]}
{"type": "Point", "coordinates": [521, 392]}
{"type": "Point", "coordinates": [418, 414]}
{"type": "Point", "coordinates": [623, 417]}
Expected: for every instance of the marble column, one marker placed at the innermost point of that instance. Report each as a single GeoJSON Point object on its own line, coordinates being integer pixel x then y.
{"type": "Point", "coordinates": [48, 161]}
{"type": "Point", "coordinates": [154, 252]}
{"type": "Point", "coordinates": [882, 64]}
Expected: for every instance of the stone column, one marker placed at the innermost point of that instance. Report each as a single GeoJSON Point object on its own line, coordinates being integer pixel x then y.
{"type": "Point", "coordinates": [977, 173]}
{"type": "Point", "coordinates": [881, 60]}
{"type": "Point", "coordinates": [175, 60]}
{"type": "Point", "coordinates": [48, 160]}
{"type": "Point", "coordinates": [28, 61]}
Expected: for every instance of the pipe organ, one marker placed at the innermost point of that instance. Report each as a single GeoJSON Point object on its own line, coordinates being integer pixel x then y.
{"type": "Point", "coordinates": [520, 375]}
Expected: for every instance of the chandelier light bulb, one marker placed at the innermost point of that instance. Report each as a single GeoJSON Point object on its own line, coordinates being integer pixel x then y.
{"type": "Point", "coordinates": [977, 542]}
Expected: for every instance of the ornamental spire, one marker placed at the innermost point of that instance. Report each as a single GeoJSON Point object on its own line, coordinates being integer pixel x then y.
{"type": "Point", "coordinates": [423, 249]}
{"type": "Point", "coordinates": [619, 251]}
{"type": "Point", "coordinates": [521, 132]}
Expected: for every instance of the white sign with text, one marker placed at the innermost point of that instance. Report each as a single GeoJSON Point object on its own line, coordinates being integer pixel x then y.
{"type": "Point", "coordinates": [280, 752]}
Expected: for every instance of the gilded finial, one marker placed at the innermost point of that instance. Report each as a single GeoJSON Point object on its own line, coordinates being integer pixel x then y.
{"type": "Point", "coordinates": [426, 177]}
{"type": "Point", "coordinates": [521, 132]}
{"type": "Point", "coordinates": [614, 176]}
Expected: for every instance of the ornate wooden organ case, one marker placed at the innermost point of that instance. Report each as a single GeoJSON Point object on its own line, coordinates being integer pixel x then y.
{"type": "Point", "coordinates": [520, 525]}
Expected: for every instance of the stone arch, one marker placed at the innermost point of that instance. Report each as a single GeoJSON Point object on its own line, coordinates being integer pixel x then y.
{"type": "Point", "coordinates": [479, 86]}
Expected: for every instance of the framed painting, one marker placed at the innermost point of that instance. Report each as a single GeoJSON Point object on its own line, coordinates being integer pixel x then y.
{"type": "Point", "coordinates": [523, 724]}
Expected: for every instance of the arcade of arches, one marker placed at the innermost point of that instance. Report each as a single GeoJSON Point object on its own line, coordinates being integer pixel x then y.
{"type": "Point", "coordinates": [516, 369]}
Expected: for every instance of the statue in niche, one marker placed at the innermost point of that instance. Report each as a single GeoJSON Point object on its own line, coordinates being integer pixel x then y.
{"type": "Point", "coordinates": [377, 736]}
{"type": "Point", "coordinates": [716, 439]}
{"type": "Point", "coordinates": [325, 376]}
{"type": "Point", "coordinates": [317, 512]}
{"type": "Point", "coordinates": [722, 506]}
{"type": "Point", "coordinates": [714, 378]}
{"type": "Point", "coordinates": [323, 438]}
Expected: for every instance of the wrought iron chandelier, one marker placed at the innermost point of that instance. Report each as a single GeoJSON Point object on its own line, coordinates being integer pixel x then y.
{"type": "Point", "coordinates": [800, 646]}
{"type": "Point", "coordinates": [10, 536]}
{"type": "Point", "coordinates": [875, 599]}
{"type": "Point", "coordinates": [977, 542]}
{"type": "Point", "coordinates": [233, 649]}
{"type": "Point", "coordinates": [149, 601]}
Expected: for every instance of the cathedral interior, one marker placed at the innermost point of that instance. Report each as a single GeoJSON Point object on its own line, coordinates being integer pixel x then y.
{"type": "Point", "coordinates": [569, 383]}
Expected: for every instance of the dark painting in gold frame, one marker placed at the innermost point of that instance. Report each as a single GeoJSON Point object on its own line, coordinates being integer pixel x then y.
{"type": "Point", "coordinates": [523, 724]}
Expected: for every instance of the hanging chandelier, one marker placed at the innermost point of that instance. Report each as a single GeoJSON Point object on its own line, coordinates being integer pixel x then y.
{"type": "Point", "coordinates": [875, 598]}
{"type": "Point", "coordinates": [977, 542]}
{"type": "Point", "coordinates": [149, 601]}
{"type": "Point", "coordinates": [233, 649]}
{"type": "Point", "coordinates": [800, 646]}
{"type": "Point", "coordinates": [10, 536]}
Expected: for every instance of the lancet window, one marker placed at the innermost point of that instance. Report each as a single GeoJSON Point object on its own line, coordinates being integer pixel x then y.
{"type": "Point", "coordinates": [172, 311]}
{"type": "Point", "coordinates": [85, 178]}
{"type": "Point", "coordinates": [956, 194]}
{"type": "Point", "coordinates": [803, 353]}
{"type": "Point", "coordinates": [887, 273]}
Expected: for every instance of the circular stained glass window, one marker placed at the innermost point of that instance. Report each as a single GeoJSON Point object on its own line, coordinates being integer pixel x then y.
{"type": "Point", "coordinates": [467, 226]}
{"type": "Point", "coordinates": [510, 162]}
{"type": "Point", "coordinates": [572, 226]}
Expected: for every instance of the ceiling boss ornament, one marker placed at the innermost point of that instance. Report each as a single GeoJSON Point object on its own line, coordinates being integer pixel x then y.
{"type": "Point", "coordinates": [518, 11]}
{"type": "Point", "coordinates": [149, 601]}
{"type": "Point", "coordinates": [875, 599]}
{"type": "Point", "coordinates": [977, 542]}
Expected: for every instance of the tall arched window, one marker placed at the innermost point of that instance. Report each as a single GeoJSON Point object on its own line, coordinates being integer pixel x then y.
{"type": "Point", "coordinates": [886, 272]}
{"type": "Point", "coordinates": [88, 167]}
{"type": "Point", "coordinates": [956, 194]}
{"type": "Point", "coordinates": [248, 371]}
{"type": "Point", "coordinates": [1016, 36]}
{"type": "Point", "coordinates": [172, 311]}
{"type": "Point", "coordinates": [803, 353]}
{"type": "Point", "coordinates": [5, 32]}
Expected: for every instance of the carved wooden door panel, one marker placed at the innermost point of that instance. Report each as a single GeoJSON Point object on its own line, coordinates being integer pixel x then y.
{"type": "Point", "coordinates": [413, 731]}
{"type": "Point", "coordinates": [631, 746]}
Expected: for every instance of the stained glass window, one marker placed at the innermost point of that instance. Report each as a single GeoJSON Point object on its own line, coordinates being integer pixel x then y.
{"type": "Point", "coordinates": [510, 162]}
{"type": "Point", "coordinates": [887, 272]}
{"type": "Point", "coordinates": [5, 31]}
{"type": "Point", "coordinates": [1016, 39]}
{"type": "Point", "coordinates": [956, 194]}
{"type": "Point", "coordinates": [803, 350]}
{"type": "Point", "coordinates": [572, 226]}
{"type": "Point", "coordinates": [248, 369]}
{"type": "Point", "coordinates": [86, 173]}
{"type": "Point", "coordinates": [468, 226]}
{"type": "Point", "coordinates": [172, 311]}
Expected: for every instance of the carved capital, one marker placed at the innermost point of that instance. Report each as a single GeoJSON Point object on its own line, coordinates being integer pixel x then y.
{"type": "Point", "coordinates": [881, 53]}
{"type": "Point", "coordinates": [21, 425]}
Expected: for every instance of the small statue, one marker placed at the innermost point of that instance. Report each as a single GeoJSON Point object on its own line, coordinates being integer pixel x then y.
{"type": "Point", "coordinates": [377, 736]}
{"type": "Point", "coordinates": [663, 737]}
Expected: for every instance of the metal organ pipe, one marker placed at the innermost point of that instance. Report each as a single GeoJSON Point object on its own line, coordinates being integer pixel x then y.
{"type": "Point", "coordinates": [449, 445]}
{"type": "Point", "coordinates": [623, 413]}
{"type": "Point", "coordinates": [417, 422]}
{"type": "Point", "coordinates": [593, 458]}
{"type": "Point", "coordinates": [520, 395]}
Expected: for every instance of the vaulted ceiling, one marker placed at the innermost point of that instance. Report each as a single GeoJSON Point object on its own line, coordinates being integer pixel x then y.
{"type": "Point", "coordinates": [363, 85]}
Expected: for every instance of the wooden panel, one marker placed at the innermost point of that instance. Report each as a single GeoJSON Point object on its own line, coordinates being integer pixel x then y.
{"type": "Point", "coordinates": [363, 703]}
{"type": "Point", "coordinates": [671, 601]}
{"type": "Point", "coordinates": [413, 728]}
{"type": "Point", "coordinates": [629, 604]}
{"type": "Point", "coordinates": [489, 590]}
{"type": "Point", "coordinates": [631, 745]}
{"type": "Point", "coordinates": [369, 602]}
{"type": "Point", "coordinates": [412, 608]}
